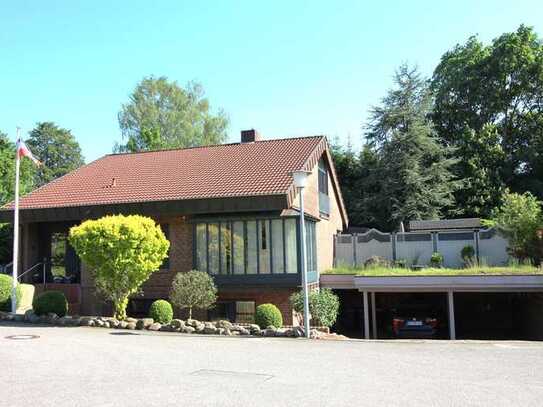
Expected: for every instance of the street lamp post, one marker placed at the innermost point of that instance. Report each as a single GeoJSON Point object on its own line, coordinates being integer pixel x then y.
{"type": "Point", "coordinates": [300, 182]}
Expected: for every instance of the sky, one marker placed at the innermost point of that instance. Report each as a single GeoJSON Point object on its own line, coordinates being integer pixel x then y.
{"type": "Point", "coordinates": [284, 68]}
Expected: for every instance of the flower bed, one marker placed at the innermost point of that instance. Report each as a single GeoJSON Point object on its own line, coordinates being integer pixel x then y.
{"type": "Point", "coordinates": [190, 326]}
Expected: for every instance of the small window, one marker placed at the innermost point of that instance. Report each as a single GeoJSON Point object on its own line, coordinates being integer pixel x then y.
{"type": "Point", "coordinates": [245, 312]}
{"type": "Point", "coordinates": [323, 177]}
{"type": "Point", "coordinates": [166, 230]}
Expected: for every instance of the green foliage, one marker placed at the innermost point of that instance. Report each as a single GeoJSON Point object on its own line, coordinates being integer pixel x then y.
{"type": "Point", "coordinates": [194, 289]}
{"type": "Point", "coordinates": [161, 114]}
{"type": "Point", "coordinates": [5, 292]}
{"type": "Point", "coordinates": [519, 218]}
{"type": "Point", "coordinates": [122, 252]}
{"type": "Point", "coordinates": [56, 148]}
{"type": "Point", "coordinates": [161, 311]}
{"type": "Point", "coordinates": [268, 314]}
{"type": "Point", "coordinates": [436, 260]}
{"type": "Point", "coordinates": [488, 106]}
{"type": "Point", "coordinates": [323, 305]}
{"type": "Point", "coordinates": [50, 301]}
{"type": "Point", "coordinates": [467, 253]}
{"type": "Point", "coordinates": [518, 268]}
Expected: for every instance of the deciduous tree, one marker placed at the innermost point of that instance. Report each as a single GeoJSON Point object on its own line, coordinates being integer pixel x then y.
{"type": "Point", "coordinates": [161, 114]}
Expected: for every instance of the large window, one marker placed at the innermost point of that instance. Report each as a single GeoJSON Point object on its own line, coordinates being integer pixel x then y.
{"type": "Point", "coordinates": [263, 246]}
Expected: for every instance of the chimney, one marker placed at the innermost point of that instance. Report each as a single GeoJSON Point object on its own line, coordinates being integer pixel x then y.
{"type": "Point", "coordinates": [250, 136]}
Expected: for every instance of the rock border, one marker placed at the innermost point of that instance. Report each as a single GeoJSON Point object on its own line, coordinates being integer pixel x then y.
{"type": "Point", "coordinates": [189, 326]}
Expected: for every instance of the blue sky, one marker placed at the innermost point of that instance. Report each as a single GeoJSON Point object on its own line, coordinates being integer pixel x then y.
{"type": "Point", "coordinates": [285, 68]}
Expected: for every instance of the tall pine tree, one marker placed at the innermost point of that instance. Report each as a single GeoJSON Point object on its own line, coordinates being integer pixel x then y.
{"type": "Point", "coordinates": [413, 170]}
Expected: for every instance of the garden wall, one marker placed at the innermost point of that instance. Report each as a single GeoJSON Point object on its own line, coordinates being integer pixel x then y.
{"type": "Point", "coordinates": [417, 247]}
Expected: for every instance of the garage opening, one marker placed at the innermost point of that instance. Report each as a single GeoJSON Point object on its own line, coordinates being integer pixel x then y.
{"type": "Point", "coordinates": [501, 316]}
{"type": "Point", "coordinates": [411, 315]}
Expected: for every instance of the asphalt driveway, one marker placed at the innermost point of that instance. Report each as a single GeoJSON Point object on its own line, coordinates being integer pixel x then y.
{"type": "Point", "coordinates": [101, 367]}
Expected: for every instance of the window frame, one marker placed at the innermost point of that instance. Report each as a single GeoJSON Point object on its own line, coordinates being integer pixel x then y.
{"type": "Point", "coordinates": [272, 269]}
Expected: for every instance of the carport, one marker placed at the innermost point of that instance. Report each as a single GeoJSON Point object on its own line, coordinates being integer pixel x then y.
{"type": "Point", "coordinates": [462, 287]}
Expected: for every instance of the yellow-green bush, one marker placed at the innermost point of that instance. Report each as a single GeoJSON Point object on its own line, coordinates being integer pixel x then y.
{"type": "Point", "coordinates": [121, 252]}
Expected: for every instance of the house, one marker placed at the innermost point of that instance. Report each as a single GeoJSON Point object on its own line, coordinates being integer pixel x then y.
{"type": "Point", "coordinates": [230, 210]}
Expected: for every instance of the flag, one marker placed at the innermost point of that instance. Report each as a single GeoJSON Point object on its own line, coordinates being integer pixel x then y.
{"type": "Point", "coordinates": [24, 151]}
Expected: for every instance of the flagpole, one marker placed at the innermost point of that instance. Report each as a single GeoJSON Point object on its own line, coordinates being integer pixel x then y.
{"type": "Point", "coordinates": [16, 229]}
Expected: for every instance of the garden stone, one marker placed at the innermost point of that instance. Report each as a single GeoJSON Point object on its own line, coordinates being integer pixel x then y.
{"type": "Point", "coordinates": [167, 328]}
{"type": "Point", "coordinates": [314, 334]}
{"type": "Point", "coordinates": [19, 318]}
{"type": "Point", "coordinates": [91, 323]}
{"type": "Point", "coordinates": [243, 331]}
{"type": "Point", "coordinates": [289, 333]}
{"type": "Point", "coordinates": [200, 327]}
{"type": "Point", "coordinates": [85, 321]}
{"type": "Point", "coordinates": [62, 321]}
{"type": "Point", "coordinates": [131, 325]}
{"type": "Point", "coordinates": [155, 326]}
{"type": "Point", "coordinates": [122, 325]}
{"type": "Point", "coordinates": [177, 324]}
{"type": "Point", "coordinates": [51, 318]}
{"type": "Point", "coordinates": [113, 323]}
{"type": "Point", "coordinates": [28, 314]}
{"type": "Point", "coordinates": [281, 332]}
{"type": "Point", "coordinates": [298, 332]}
{"type": "Point", "coordinates": [188, 330]}
{"type": "Point", "coordinates": [34, 319]}
{"type": "Point", "coordinates": [73, 321]}
{"type": "Point", "coordinates": [210, 330]}
{"type": "Point", "coordinates": [99, 323]}
{"type": "Point", "coordinates": [193, 322]}
{"type": "Point", "coordinates": [269, 332]}
{"type": "Point", "coordinates": [224, 324]}
{"type": "Point", "coordinates": [129, 319]}
{"type": "Point", "coordinates": [144, 323]}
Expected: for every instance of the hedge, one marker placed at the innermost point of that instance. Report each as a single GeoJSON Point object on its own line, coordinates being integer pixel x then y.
{"type": "Point", "coordinates": [5, 293]}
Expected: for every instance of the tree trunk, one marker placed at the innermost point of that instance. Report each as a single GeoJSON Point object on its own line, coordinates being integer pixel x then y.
{"type": "Point", "coordinates": [120, 309]}
{"type": "Point", "coordinates": [190, 312]}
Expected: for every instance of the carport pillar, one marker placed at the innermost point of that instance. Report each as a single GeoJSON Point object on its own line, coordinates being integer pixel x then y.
{"type": "Point", "coordinates": [366, 316]}
{"type": "Point", "coordinates": [452, 329]}
{"type": "Point", "coordinates": [373, 316]}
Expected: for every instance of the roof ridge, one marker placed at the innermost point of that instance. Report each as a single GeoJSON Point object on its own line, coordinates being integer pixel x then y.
{"type": "Point", "coordinates": [212, 145]}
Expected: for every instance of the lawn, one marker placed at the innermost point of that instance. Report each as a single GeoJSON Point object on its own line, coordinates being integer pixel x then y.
{"type": "Point", "coordinates": [472, 271]}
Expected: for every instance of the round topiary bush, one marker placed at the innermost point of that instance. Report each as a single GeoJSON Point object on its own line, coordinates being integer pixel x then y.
{"type": "Point", "coordinates": [50, 301]}
{"type": "Point", "coordinates": [467, 253]}
{"type": "Point", "coordinates": [268, 314]}
{"type": "Point", "coordinates": [436, 260]}
{"type": "Point", "coordinates": [161, 311]}
{"type": "Point", "coordinates": [5, 292]}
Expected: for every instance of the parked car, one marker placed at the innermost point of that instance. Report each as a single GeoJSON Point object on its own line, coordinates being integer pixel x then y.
{"type": "Point", "coordinates": [414, 324]}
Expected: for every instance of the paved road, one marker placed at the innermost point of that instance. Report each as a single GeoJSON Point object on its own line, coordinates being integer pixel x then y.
{"type": "Point", "coordinates": [100, 367]}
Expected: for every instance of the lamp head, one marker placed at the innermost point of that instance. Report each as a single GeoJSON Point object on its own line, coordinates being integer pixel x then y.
{"type": "Point", "coordinates": [300, 178]}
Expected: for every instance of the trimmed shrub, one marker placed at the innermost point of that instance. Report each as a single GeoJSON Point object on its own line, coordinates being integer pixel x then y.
{"type": "Point", "coordinates": [161, 311]}
{"type": "Point", "coordinates": [5, 293]}
{"type": "Point", "coordinates": [121, 253]}
{"type": "Point", "coordinates": [436, 260]}
{"type": "Point", "coordinates": [194, 289]}
{"type": "Point", "coordinates": [50, 301]}
{"type": "Point", "coordinates": [323, 305]}
{"type": "Point", "coordinates": [268, 314]}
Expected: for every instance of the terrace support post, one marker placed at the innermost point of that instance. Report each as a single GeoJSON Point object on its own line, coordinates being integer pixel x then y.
{"type": "Point", "coordinates": [452, 328]}
{"type": "Point", "coordinates": [373, 316]}
{"type": "Point", "coordinates": [355, 261]}
{"type": "Point", "coordinates": [366, 316]}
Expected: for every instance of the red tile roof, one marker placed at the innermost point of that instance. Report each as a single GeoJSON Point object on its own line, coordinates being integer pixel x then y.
{"type": "Point", "coordinates": [230, 170]}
